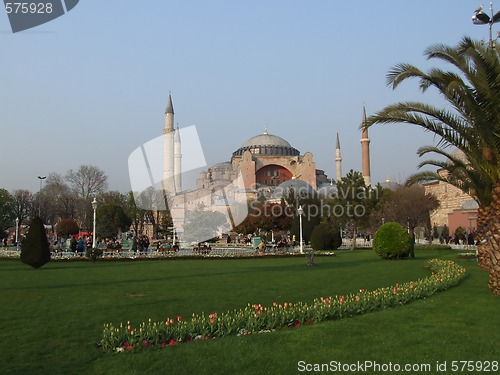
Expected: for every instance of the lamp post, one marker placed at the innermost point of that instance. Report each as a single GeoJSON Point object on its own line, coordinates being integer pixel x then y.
{"type": "Point", "coordinates": [17, 233]}
{"type": "Point", "coordinates": [480, 18]}
{"type": "Point", "coordinates": [300, 211]}
{"type": "Point", "coordinates": [41, 178]}
{"type": "Point", "coordinates": [174, 239]}
{"type": "Point", "coordinates": [94, 207]}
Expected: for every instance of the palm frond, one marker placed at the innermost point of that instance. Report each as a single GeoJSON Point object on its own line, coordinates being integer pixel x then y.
{"type": "Point", "coordinates": [472, 124]}
{"type": "Point", "coordinates": [424, 176]}
{"type": "Point", "coordinates": [400, 73]}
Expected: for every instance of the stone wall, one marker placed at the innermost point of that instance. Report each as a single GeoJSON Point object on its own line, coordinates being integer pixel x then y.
{"type": "Point", "coordinates": [450, 198]}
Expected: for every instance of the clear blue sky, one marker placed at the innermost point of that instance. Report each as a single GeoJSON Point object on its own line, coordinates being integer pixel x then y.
{"type": "Point", "coordinates": [92, 85]}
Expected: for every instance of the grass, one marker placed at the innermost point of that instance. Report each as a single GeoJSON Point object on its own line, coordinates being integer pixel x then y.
{"type": "Point", "coordinates": [52, 318]}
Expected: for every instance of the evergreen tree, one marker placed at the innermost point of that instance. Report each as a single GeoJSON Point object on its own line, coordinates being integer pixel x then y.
{"type": "Point", "coordinates": [326, 236]}
{"type": "Point", "coordinates": [35, 250]}
{"type": "Point", "coordinates": [111, 219]}
{"type": "Point", "coordinates": [354, 203]}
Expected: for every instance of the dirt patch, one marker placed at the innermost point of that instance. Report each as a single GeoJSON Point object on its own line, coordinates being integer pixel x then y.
{"type": "Point", "coordinates": [135, 294]}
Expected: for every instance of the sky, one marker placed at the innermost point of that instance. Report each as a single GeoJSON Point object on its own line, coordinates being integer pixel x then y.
{"type": "Point", "coordinates": [90, 87]}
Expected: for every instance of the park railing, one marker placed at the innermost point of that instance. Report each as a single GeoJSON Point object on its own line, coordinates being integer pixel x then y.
{"type": "Point", "coordinates": [222, 251]}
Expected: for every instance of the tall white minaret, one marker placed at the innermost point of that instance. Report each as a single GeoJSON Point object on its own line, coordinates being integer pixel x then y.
{"type": "Point", "coordinates": [338, 160]}
{"type": "Point", "coordinates": [168, 156]}
{"type": "Point", "coordinates": [365, 152]}
{"type": "Point", "coordinates": [177, 160]}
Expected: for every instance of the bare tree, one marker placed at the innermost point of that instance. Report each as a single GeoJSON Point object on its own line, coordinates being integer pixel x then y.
{"type": "Point", "coordinates": [23, 204]}
{"type": "Point", "coordinates": [87, 181]}
{"type": "Point", "coordinates": [7, 214]}
{"type": "Point", "coordinates": [408, 206]}
{"type": "Point", "coordinates": [136, 213]}
{"type": "Point", "coordinates": [153, 202]}
{"type": "Point", "coordinates": [63, 199]}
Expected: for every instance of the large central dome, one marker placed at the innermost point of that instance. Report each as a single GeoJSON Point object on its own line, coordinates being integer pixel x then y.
{"type": "Point", "coordinates": [266, 140]}
{"type": "Point", "coordinates": [267, 144]}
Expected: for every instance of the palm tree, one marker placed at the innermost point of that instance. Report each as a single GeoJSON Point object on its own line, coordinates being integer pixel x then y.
{"type": "Point", "coordinates": [472, 125]}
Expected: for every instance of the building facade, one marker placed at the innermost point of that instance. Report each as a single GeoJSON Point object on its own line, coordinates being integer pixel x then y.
{"type": "Point", "coordinates": [456, 208]}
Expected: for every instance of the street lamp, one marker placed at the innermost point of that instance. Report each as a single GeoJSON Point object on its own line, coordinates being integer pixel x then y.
{"type": "Point", "coordinates": [41, 178]}
{"type": "Point", "coordinates": [174, 239]}
{"type": "Point", "coordinates": [300, 211]}
{"type": "Point", "coordinates": [17, 233]}
{"type": "Point", "coordinates": [480, 18]}
{"type": "Point", "coordinates": [94, 207]}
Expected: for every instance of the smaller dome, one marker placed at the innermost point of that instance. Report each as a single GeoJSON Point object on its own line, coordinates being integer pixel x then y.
{"type": "Point", "coordinates": [222, 166]}
{"type": "Point", "coordinates": [299, 187]}
{"type": "Point", "coordinates": [471, 204]}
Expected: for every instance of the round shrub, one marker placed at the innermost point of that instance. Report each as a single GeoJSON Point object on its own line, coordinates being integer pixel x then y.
{"type": "Point", "coordinates": [392, 241]}
{"type": "Point", "coordinates": [325, 237]}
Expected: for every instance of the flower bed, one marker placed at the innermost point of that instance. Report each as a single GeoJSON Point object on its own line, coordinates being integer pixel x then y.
{"type": "Point", "coordinates": [257, 318]}
{"type": "Point", "coordinates": [216, 253]}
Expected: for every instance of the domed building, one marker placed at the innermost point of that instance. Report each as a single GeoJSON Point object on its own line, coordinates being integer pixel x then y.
{"type": "Point", "coordinates": [263, 162]}
{"type": "Point", "coordinates": [263, 166]}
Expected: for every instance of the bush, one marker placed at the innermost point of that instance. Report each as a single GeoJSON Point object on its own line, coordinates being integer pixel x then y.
{"type": "Point", "coordinates": [325, 237]}
{"type": "Point", "coordinates": [461, 233]}
{"type": "Point", "coordinates": [93, 254]}
{"type": "Point", "coordinates": [35, 249]}
{"type": "Point", "coordinates": [391, 241]}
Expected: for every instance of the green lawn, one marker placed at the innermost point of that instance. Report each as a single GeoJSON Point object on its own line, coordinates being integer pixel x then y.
{"type": "Point", "coordinates": [52, 318]}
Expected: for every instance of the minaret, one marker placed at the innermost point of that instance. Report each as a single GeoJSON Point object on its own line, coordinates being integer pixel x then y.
{"type": "Point", "coordinates": [365, 151]}
{"type": "Point", "coordinates": [168, 157]}
{"type": "Point", "coordinates": [338, 160]}
{"type": "Point", "coordinates": [177, 160]}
